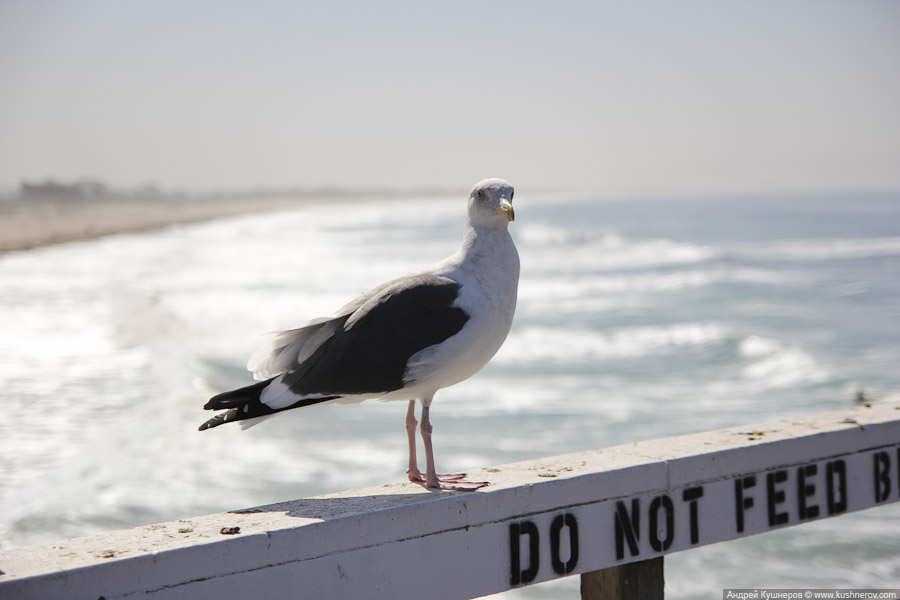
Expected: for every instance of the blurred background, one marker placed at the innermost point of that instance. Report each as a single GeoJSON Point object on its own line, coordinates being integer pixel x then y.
{"type": "Point", "coordinates": [708, 216]}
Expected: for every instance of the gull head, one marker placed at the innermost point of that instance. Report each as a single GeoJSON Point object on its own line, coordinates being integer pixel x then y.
{"type": "Point", "coordinates": [490, 204]}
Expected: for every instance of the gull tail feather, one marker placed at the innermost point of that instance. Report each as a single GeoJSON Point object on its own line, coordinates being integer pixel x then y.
{"type": "Point", "coordinates": [244, 404]}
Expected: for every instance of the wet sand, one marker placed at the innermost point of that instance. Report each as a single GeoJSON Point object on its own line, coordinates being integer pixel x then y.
{"type": "Point", "coordinates": [33, 224]}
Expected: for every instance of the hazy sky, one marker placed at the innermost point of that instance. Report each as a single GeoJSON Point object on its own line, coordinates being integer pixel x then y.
{"type": "Point", "coordinates": [662, 96]}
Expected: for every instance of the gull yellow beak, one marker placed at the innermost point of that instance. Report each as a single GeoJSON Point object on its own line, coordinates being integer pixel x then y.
{"type": "Point", "coordinates": [506, 209]}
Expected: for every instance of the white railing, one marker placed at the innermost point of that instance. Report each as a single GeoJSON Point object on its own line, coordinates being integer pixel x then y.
{"type": "Point", "coordinates": [607, 514]}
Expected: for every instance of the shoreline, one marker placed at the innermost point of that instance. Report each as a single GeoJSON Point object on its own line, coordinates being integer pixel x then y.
{"type": "Point", "coordinates": [38, 224]}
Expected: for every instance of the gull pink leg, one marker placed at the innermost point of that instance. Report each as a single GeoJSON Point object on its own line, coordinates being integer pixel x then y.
{"type": "Point", "coordinates": [454, 482]}
{"type": "Point", "coordinates": [413, 471]}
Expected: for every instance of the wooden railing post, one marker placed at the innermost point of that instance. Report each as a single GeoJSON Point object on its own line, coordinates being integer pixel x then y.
{"type": "Point", "coordinates": [642, 580]}
{"type": "Point", "coordinates": [611, 514]}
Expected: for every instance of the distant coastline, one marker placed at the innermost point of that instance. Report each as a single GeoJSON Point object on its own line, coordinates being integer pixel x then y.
{"type": "Point", "coordinates": [52, 213]}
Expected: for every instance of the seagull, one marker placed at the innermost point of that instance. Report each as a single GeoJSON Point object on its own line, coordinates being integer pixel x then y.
{"type": "Point", "coordinates": [403, 340]}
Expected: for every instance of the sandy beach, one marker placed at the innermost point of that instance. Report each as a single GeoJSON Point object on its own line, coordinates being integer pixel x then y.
{"type": "Point", "coordinates": [25, 225]}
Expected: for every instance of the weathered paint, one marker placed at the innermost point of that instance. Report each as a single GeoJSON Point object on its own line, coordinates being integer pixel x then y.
{"type": "Point", "coordinates": [538, 520]}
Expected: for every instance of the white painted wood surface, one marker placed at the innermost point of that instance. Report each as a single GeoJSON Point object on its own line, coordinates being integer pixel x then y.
{"type": "Point", "coordinates": [538, 520]}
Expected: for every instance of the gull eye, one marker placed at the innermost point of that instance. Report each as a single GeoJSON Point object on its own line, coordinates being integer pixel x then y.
{"type": "Point", "coordinates": [511, 195]}
{"type": "Point", "coordinates": [480, 194]}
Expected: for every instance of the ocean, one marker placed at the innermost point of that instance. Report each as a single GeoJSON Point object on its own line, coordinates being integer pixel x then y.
{"type": "Point", "coordinates": [637, 318]}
